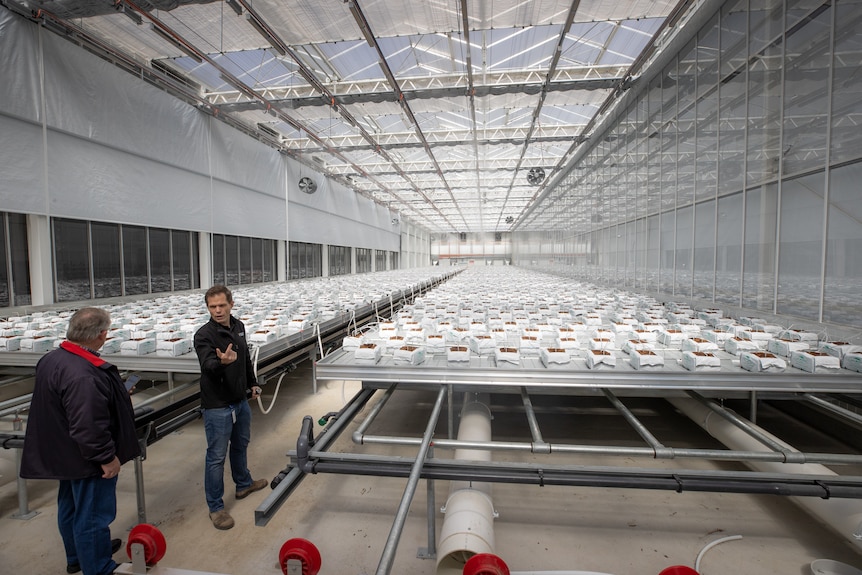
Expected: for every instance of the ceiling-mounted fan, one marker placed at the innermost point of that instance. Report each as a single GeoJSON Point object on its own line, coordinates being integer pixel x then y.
{"type": "Point", "coordinates": [307, 185]}
{"type": "Point", "coordinates": [536, 176]}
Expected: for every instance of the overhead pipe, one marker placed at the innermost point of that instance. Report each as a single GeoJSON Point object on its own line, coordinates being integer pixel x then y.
{"type": "Point", "coordinates": [842, 515]}
{"type": "Point", "coordinates": [468, 528]}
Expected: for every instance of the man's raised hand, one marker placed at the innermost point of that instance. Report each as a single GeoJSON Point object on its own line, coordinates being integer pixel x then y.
{"type": "Point", "coordinates": [228, 355]}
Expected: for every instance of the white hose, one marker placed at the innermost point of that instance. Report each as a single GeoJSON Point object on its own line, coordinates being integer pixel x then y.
{"type": "Point", "coordinates": [319, 340]}
{"type": "Point", "coordinates": [274, 395]}
{"type": "Point", "coordinates": [255, 351]}
{"type": "Point", "coordinates": [710, 546]}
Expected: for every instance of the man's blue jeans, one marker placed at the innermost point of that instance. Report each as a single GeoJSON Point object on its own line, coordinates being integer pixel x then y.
{"type": "Point", "coordinates": [228, 429]}
{"type": "Point", "coordinates": [85, 510]}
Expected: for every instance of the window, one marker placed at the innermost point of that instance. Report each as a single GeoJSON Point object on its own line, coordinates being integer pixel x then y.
{"type": "Point", "coordinates": [305, 260]}
{"type": "Point", "coordinates": [363, 260]}
{"type": "Point", "coordinates": [761, 219]}
{"type": "Point", "coordinates": [218, 259]}
{"type": "Point", "coordinates": [339, 260]}
{"type": "Point", "coordinates": [181, 260]}
{"type": "Point", "coordinates": [231, 259]}
{"type": "Point", "coordinates": [801, 240]}
{"type": "Point", "coordinates": [242, 260]}
{"type": "Point", "coordinates": [136, 271]}
{"type": "Point", "coordinates": [245, 267]}
{"type": "Point", "coordinates": [71, 260]}
{"type": "Point", "coordinates": [160, 260]}
{"type": "Point", "coordinates": [107, 274]}
{"type": "Point", "coordinates": [5, 292]}
{"type": "Point", "coordinates": [268, 262]}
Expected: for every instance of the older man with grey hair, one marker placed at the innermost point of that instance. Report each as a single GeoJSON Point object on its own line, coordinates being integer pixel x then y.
{"type": "Point", "coordinates": [80, 430]}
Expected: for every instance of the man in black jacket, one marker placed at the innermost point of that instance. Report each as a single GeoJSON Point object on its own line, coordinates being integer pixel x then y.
{"type": "Point", "coordinates": [227, 379]}
{"type": "Point", "coordinates": [80, 430]}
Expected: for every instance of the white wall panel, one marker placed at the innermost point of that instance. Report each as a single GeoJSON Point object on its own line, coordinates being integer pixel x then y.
{"type": "Point", "coordinates": [21, 183]}
{"type": "Point", "coordinates": [19, 89]}
{"type": "Point", "coordinates": [87, 180]}
{"type": "Point", "coordinates": [121, 150]}
{"type": "Point", "coordinates": [245, 212]}
{"type": "Point", "coordinates": [90, 97]}
{"type": "Point", "coordinates": [245, 161]}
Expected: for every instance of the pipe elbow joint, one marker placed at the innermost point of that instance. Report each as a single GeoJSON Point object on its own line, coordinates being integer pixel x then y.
{"type": "Point", "coordinates": [303, 445]}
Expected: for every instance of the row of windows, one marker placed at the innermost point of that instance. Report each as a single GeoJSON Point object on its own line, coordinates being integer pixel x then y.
{"type": "Point", "coordinates": [95, 260]}
{"type": "Point", "coordinates": [242, 260]}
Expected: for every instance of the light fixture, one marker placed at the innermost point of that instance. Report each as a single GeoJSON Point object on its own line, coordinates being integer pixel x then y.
{"type": "Point", "coordinates": [395, 221]}
{"type": "Point", "coordinates": [235, 6]}
{"type": "Point", "coordinates": [133, 16]}
{"type": "Point", "coordinates": [172, 40]}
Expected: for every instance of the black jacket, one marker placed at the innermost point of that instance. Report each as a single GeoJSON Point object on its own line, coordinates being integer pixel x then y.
{"type": "Point", "coordinates": [222, 385]}
{"type": "Point", "coordinates": [80, 417]}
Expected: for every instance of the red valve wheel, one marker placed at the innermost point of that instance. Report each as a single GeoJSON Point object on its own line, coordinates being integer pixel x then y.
{"type": "Point", "coordinates": [302, 550]}
{"type": "Point", "coordinates": [151, 538]}
{"type": "Point", "coordinates": [485, 564]}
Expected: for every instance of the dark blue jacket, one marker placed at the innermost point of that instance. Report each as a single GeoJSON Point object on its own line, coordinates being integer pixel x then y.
{"type": "Point", "coordinates": [222, 385]}
{"type": "Point", "coordinates": [80, 417]}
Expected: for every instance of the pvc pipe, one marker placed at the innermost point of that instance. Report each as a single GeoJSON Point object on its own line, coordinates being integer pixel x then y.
{"type": "Point", "coordinates": [842, 515]}
{"type": "Point", "coordinates": [468, 528]}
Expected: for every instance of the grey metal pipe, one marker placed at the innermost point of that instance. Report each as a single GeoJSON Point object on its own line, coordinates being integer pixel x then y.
{"type": "Point", "coordinates": [832, 408]}
{"type": "Point", "coordinates": [23, 501]}
{"type": "Point", "coordinates": [375, 411]}
{"type": "Point", "coordinates": [845, 517]}
{"type": "Point", "coordinates": [165, 394]}
{"type": "Point", "coordinates": [16, 401]}
{"type": "Point", "coordinates": [139, 490]}
{"type": "Point", "coordinates": [291, 479]}
{"type": "Point", "coordinates": [385, 565]}
{"type": "Point", "coordinates": [750, 429]}
{"type": "Point", "coordinates": [538, 443]}
{"type": "Point", "coordinates": [621, 451]}
{"type": "Point", "coordinates": [661, 452]}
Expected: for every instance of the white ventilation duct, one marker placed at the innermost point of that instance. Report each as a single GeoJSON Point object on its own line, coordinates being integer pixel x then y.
{"type": "Point", "coordinates": [468, 528]}
{"type": "Point", "coordinates": [842, 515]}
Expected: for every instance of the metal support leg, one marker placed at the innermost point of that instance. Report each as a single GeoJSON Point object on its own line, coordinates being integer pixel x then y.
{"type": "Point", "coordinates": [139, 490]}
{"type": "Point", "coordinates": [430, 552]}
{"type": "Point", "coordinates": [385, 565]}
{"type": "Point", "coordinates": [23, 503]}
{"type": "Point", "coordinates": [752, 414]}
{"type": "Point", "coordinates": [139, 476]}
{"type": "Point", "coordinates": [451, 412]}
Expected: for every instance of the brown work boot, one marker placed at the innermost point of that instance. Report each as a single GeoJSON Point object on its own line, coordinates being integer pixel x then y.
{"type": "Point", "coordinates": [256, 485]}
{"type": "Point", "coordinates": [221, 519]}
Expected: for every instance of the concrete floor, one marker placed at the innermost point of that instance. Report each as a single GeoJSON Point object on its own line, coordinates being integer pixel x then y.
{"type": "Point", "coordinates": [614, 531]}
